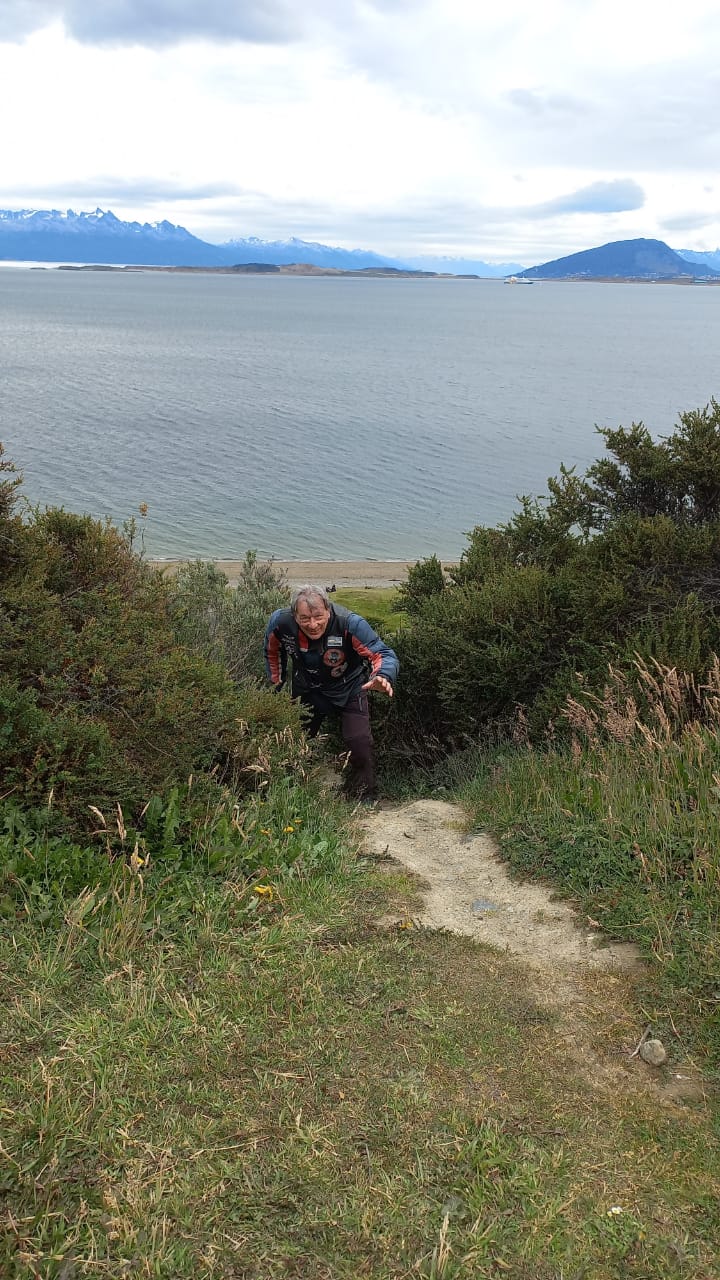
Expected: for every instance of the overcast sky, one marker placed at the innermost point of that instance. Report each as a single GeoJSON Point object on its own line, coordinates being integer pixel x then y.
{"type": "Point", "coordinates": [517, 131]}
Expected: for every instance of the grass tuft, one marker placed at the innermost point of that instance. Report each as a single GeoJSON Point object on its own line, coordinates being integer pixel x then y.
{"type": "Point", "coordinates": [626, 820]}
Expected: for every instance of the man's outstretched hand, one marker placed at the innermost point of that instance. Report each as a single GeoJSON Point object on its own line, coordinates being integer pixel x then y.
{"type": "Point", "coordinates": [381, 684]}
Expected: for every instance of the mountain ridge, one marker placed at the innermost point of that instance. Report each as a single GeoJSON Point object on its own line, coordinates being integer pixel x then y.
{"type": "Point", "coordinates": [99, 237]}
{"type": "Point", "coordinates": [640, 259]}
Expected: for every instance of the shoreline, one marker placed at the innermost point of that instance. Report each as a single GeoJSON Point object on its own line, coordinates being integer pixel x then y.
{"type": "Point", "coordinates": [324, 573]}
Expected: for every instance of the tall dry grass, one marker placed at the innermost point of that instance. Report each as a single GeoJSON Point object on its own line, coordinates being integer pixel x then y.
{"type": "Point", "coordinates": [626, 818]}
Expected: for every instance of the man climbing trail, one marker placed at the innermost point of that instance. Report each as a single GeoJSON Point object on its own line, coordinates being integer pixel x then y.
{"type": "Point", "coordinates": [337, 659]}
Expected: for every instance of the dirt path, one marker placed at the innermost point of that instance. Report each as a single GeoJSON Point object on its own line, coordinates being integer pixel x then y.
{"type": "Point", "coordinates": [470, 891]}
{"type": "Point", "coordinates": [585, 980]}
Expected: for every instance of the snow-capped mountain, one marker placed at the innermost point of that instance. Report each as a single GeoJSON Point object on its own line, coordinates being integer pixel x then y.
{"type": "Point", "coordinates": [710, 259]}
{"type": "Point", "coordinates": [323, 255]}
{"type": "Point", "coordinates": [462, 266]}
{"type": "Point", "coordinates": [283, 252]}
{"type": "Point", "coordinates": [56, 235]}
{"type": "Point", "coordinates": [97, 222]}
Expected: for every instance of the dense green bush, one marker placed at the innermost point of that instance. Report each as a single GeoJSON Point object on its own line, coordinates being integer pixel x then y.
{"type": "Point", "coordinates": [624, 560]}
{"type": "Point", "coordinates": [425, 580]}
{"type": "Point", "coordinates": [104, 703]}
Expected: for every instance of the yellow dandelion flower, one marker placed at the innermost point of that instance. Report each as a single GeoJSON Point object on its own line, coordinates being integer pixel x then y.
{"type": "Point", "coordinates": [136, 862]}
{"type": "Point", "coordinates": [265, 831]}
{"type": "Point", "coordinates": [288, 829]}
{"type": "Point", "coordinates": [265, 891]}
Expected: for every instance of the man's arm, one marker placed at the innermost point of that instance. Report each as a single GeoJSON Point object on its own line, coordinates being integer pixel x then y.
{"type": "Point", "coordinates": [275, 655]}
{"type": "Point", "coordinates": [384, 664]}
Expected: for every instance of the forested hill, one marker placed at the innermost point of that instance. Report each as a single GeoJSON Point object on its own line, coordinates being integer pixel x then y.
{"type": "Point", "coordinates": [625, 260]}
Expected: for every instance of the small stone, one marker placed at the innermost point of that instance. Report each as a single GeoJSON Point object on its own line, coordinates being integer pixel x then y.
{"type": "Point", "coordinates": [653, 1051]}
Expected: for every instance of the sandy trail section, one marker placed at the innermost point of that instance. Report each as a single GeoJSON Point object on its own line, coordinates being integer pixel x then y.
{"type": "Point", "coordinates": [585, 981]}
{"type": "Point", "coordinates": [469, 891]}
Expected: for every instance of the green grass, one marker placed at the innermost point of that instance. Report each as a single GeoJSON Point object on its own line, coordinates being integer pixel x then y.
{"type": "Point", "coordinates": [212, 1082]}
{"type": "Point", "coordinates": [631, 830]}
{"type": "Point", "coordinates": [215, 1063]}
{"type": "Point", "coordinates": [379, 605]}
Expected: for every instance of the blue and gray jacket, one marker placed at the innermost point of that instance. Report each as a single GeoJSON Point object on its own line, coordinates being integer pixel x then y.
{"type": "Point", "coordinates": [345, 657]}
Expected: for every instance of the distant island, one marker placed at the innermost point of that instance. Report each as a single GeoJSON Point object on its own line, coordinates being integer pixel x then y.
{"type": "Point", "coordinates": [271, 268]}
{"type": "Point", "coordinates": [626, 260]}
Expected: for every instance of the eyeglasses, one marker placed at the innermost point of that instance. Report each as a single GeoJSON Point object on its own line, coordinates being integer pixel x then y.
{"type": "Point", "coordinates": [310, 617]}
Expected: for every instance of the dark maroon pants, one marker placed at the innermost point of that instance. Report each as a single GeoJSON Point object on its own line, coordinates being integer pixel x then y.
{"type": "Point", "coordinates": [356, 732]}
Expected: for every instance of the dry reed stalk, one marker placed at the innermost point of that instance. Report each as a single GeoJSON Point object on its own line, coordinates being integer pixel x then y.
{"type": "Point", "coordinates": [674, 702]}
{"type": "Point", "coordinates": [620, 711]}
{"type": "Point", "coordinates": [520, 730]}
{"type": "Point", "coordinates": [582, 719]}
{"type": "Point", "coordinates": [673, 696]}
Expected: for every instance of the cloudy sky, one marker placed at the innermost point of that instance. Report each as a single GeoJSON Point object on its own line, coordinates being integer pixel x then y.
{"type": "Point", "coordinates": [517, 131]}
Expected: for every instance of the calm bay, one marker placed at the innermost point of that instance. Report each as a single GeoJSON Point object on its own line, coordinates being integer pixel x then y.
{"type": "Point", "coordinates": [330, 418]}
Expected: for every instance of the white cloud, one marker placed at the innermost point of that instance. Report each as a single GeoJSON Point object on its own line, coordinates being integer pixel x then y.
{"type": "Point", "coordinates": [152, 22]}
{"type": "Point", "coordinates": [400, 125]}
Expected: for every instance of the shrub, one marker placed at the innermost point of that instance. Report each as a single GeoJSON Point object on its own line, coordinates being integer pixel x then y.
{"type": "Point", "coordinates": [100, 703]}
{"type": "Point", "coordinates": [223, 623]}
{"type": "Point", "coordinates": [424, 581]}
{"type": "Point", "coordinates": [625, 559]}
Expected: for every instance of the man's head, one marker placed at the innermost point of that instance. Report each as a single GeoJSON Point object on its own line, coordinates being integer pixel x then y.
{"type": "Point", "coordinates": [311, 610]}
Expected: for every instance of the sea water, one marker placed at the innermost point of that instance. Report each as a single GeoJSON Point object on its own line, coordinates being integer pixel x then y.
{"type": "Point", "coordinates": [330, 418]}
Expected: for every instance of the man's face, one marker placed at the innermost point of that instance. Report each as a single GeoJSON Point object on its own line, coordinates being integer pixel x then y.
{"type": "Point", "coordinates": [312, 616]}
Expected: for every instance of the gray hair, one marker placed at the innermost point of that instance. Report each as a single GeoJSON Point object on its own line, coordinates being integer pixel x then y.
{"type": "Point", "coordinates": [309, 593]}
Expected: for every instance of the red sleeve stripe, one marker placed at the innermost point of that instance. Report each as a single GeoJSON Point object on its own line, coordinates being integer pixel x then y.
{"type": "Point", "coordinates": [375, 659]}
{"type": "Point", "coordinates": [273, 657]}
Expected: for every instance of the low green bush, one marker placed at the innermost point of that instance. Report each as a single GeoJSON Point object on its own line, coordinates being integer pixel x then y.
{"type": "Point", "coordinates": [197, 829]}
{"type": "Point", "coordinates": [424, 581]}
